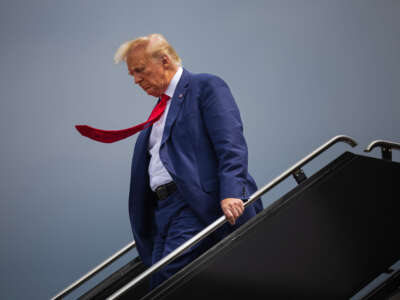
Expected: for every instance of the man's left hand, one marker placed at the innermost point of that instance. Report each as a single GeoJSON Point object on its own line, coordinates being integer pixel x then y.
{"type": "Point", "coordinates": [232, 208]}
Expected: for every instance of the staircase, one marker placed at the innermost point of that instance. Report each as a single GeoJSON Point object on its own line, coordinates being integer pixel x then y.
{"type": "Point", "coordinates": [328, 238]}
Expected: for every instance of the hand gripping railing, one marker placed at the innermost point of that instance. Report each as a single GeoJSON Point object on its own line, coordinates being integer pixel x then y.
{"type": "Point", "coordinates": [93, 272]}
{"type": "Point", "coordinates": [386, 148]}
{"type": "Point", "coordinates": [220, 221]}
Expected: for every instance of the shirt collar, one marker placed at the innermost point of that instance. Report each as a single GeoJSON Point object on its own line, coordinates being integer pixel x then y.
{"type": "Point", "coordinates": [174, 82]}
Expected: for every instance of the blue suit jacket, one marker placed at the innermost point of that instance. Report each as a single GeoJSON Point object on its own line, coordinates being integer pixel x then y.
{"type": "Point", "coordinates": [203, 149]}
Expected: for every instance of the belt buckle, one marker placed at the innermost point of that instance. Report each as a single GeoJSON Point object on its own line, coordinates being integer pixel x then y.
{"type": "Point", "coordinates": [162, 192]}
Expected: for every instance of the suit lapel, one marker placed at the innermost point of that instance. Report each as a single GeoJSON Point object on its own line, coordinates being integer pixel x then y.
{"type": "Point", "coordinates": [176, 104]}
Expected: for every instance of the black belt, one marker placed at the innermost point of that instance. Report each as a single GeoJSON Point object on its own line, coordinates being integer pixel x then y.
{"type": "Point", "coordinates": [163, 191]}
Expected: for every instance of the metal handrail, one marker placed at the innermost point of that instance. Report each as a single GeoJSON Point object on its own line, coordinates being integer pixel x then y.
{"type": "Point", "coordinates": [386, 148]}
{"type": "Point", "coordinates": [382, 143]}
{"type": "Point", "coordinates": [93, 272]}
{"type": "Point", "coordinates": [220, 221]}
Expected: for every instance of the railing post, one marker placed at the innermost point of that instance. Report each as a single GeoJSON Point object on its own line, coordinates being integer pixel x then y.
{"type": "Point", "coordinates": [386, 148]}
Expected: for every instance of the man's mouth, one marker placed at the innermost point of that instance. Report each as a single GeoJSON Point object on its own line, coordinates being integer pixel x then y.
{"type": "Point", "coordinates": [146, 87]}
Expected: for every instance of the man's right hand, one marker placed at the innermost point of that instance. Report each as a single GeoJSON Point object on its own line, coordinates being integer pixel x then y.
{"type": "Point", "coordinates": [233, 208]}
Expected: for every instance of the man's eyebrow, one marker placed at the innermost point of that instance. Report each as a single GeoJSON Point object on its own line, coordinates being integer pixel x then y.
{"type": "Point", "coordinates": [136, 69]}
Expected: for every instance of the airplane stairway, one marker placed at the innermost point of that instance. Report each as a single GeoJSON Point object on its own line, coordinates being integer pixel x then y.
{"type": "Point", "coordinates": [328, 238]}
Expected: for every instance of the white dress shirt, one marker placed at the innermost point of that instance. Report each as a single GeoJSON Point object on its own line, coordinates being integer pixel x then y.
{"type": "Point", "coordinates": [158, 173]}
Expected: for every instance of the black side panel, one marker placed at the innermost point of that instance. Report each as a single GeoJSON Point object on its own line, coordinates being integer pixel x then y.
{"type": "Point", "coordinates": [117, 280]}
{"type": "Point", "coordinates": [326, 239]}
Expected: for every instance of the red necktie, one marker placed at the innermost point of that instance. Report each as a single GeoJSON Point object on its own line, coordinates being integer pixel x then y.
{"type": "Point", "coordinates": [111, 136]}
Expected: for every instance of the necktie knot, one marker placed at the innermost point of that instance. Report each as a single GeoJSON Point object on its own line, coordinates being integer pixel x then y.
{"type": "Point", "coordinates": [165, 97]}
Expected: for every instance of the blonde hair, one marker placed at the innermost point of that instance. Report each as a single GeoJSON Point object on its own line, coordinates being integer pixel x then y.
{"type": "Point", "coordinates": [155, 45]}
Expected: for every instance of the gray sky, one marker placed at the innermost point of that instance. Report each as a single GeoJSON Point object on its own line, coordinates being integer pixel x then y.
{"type": "Point", "coordinates": [302, 71]}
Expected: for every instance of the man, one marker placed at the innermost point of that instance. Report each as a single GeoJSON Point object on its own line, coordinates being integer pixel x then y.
{"type": "Point", "coordinates": [190, 166]}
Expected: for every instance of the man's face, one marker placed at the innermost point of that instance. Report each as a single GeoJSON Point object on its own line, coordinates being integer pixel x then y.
{"type": "Point", "coordinates": [148, 72]}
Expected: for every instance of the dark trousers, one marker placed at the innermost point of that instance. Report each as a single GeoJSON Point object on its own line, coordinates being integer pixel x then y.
{"type": "Point", "coordinates": [175, 224]}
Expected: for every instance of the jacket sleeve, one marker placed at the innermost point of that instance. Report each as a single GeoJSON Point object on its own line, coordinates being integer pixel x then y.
{"type": "Point", "coordinates": [224, 126]}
